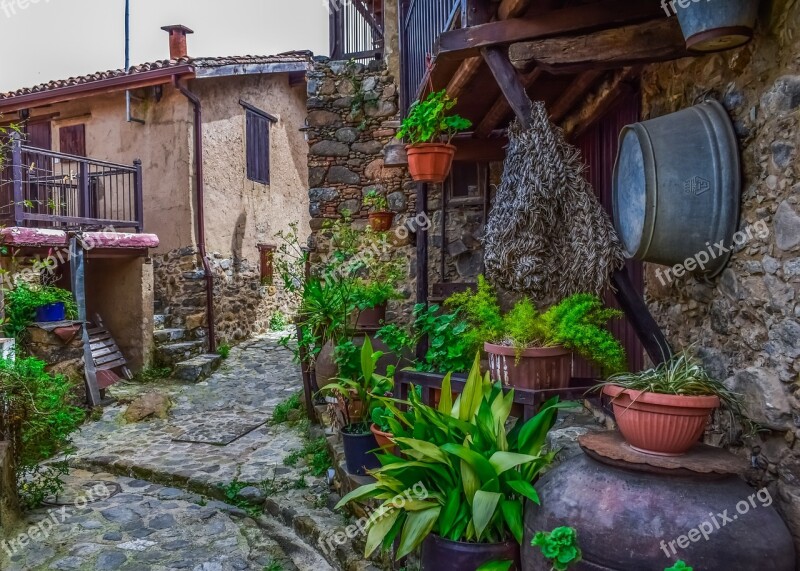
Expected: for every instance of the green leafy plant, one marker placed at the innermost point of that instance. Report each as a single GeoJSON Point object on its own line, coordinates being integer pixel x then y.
{"type": "Point", "coordinates": [278, 321]}
{"type": "Point", "coordinates": [577, 323]}
{"type": "Point", "coordinates": [363, 389]}
{"type": "Point", "coordinates": [152, 374]}
{"type": "Point", "coordinates": [315, 452]}
{"type": "Point", "coordinates": [681, 374]}
{"type": "Point", "coordinates": [428, 120]}
{"type": "Point", "coordinates": [375, 201]}
{"type": "Point", "coordinates": [21, 304]}
{"type": "Point", "coordinates": [476, 468]}
{"type": "Point", "coordinates": [286, 409]}
{"type": "Point", "coordinates": [449, 346]}
{"type": "Point", "coordinates": [224, 350]}
{"type": "Point", "coordinates": [38, 418]}
{"type": "Point", "coordinates": [560, 546]}
{"type": "Point", "coordinates": [679, 566]}
{"type": "Point", "coordinates": [380, 417]}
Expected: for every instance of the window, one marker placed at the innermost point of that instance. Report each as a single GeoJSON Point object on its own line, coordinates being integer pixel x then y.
{"type": "Point", "coordinates": [258, 123]}
{"type": "Point", "coordinates": [72, 140]}
{"type": "Point", "coordinates": [467, 182]}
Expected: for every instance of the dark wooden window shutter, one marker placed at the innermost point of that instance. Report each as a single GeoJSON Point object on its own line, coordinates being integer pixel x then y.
{"type": "Point", "coordinates": [72, 140]}
{"type": "Point", "coordinates": [257, 147]}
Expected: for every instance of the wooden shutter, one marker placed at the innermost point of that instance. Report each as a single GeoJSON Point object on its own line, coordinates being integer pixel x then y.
{"type": "Point", "coordinates": [72, 140]}
{"type": "Point", "coordinates": [257, 147]}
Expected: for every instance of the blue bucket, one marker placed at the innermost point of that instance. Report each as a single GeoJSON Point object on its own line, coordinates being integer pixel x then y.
{"type": "Point", "coordinates": [51, 312]}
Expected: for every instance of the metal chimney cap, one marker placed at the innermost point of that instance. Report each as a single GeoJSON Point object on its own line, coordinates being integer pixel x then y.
{"type": "Point", "coordinates": [178, 28]}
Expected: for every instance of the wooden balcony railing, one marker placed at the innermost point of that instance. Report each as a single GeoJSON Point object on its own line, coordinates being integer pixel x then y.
{"type": "Point", "coordinates": [422, 22]}
{"type": "Point", "coordinates": [45, 189]}
{"type": "Point", "coordinates": [357, 29]}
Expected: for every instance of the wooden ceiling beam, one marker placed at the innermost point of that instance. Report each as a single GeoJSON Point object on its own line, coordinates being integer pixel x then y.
{"type": "Point", "coordinates": [512, 8]}
{"type": "Point", "coordinates": [607, 95]}
{"type": "Point", "coordinates": [573, 93]}
{"type": "Point", "coordinates": [464, 76]}
{"type": "Point", "coordinates": [469, 41]}
{"type": "Point", "coordinates": [509, 81]}
{"type": "Point", "coordinates": [647, 42]}
{"type": "Point", "coordinates": [501, 109]}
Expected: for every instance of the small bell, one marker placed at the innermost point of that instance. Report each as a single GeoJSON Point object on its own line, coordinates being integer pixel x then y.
{"type": "Point", "coordinates": [394, 154]}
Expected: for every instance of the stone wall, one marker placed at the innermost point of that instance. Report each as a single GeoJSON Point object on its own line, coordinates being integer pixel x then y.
{"type": "Point", "coordinates": [243, 305]}
{"type": "Point", "coordinates": [746, 323]}
{"type": "Point", "coordinates": [352, 117]}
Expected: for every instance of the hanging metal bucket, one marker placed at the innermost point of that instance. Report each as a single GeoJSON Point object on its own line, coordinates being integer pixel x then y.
{"type": "Point", "coordinates": [716, 25]}
{"type": "Point", "coordinates": [677, 189]}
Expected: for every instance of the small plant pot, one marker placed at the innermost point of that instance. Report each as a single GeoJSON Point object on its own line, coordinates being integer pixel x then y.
{"type": "Point", "coordinates": [51, 312]}
{"type": "Point", "coordinates": [440, 554]}
{"type": "Point", "coordinates": [381, 221]}
{"type": "Point", "coordinates": [430, 162]}
{"type": "Point", "coordinates": [359, 449]}
{"type": "Point", "coordinates": [371, 319]}
{"type": "Point", "coordinates": [716, 26]}
{"type": "Point", "coordinates": [384, 440]}
{"type": "Point", "coordinates": [537, 368]}
{"type": "Point", "coordinates": [664, 425]}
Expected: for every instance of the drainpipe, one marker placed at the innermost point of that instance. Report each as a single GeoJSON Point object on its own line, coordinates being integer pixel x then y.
{"type": "Point", "coordinates": [201, 226]}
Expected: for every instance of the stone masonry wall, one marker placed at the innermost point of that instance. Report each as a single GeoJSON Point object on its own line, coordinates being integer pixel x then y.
{"type": "Point", "coordinates": [746, 323]}
{"type": "Point", "coordinates": [243, 306]}
{"type": "Point", "coordinates": [352, 117]}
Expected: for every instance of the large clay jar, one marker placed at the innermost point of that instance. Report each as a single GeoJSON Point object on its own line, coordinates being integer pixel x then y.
{"type": "Point", "coordinates": [629, 516]}
{"type": "Point", "coordinates": [325, 369]}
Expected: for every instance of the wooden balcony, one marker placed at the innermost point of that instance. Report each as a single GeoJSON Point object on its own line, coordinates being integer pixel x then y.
{"type": "Point", "coordinates": [45, 189]}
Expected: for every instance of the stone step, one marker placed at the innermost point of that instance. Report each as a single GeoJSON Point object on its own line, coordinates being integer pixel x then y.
{"type": "Point", "coordinates": [172, 334]}
{"type": "Point", "coordinates": [197, 369]}
{"type": "Point", "coordinates": [160, 321]}
{"type": "Point", "coordinates": [170, 354]}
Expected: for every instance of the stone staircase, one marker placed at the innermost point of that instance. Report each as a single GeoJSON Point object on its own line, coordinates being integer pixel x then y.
{"type": "Point", "coordinates": [181, 350]}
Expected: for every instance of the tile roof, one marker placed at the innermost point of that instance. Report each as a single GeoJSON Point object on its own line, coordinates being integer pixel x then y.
{"type": "Point", "coordinates": [199, 62]}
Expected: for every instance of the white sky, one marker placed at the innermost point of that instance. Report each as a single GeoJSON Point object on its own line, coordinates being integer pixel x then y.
{"type": "Point", "coordinates": [44, 40]}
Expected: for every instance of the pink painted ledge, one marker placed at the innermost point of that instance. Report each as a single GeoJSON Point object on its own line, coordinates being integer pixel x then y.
{"type": "Point", "coordinates": [46, 238]}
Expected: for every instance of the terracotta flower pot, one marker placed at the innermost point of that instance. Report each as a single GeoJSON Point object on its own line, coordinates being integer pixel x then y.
{"type": "Point", "coordinates": [430, 162]}
{"type": "Point", "coordinates": [384, 440]}
{"type": "Point", "coordinates": [381, 221]}
{"type": "Point", "coordinates": [538, 368]}
{"type": "Point", "coordinates": [665, 425]}
{"type": "Point", "coordinates": [371, 319]}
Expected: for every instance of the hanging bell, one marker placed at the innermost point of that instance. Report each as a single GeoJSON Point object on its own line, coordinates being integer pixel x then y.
{"type": "Point", "coordinates": [394, 154]}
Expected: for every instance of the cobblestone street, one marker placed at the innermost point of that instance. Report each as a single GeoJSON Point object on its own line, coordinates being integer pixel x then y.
{"type": "Point", "coordinates": [191, 505]}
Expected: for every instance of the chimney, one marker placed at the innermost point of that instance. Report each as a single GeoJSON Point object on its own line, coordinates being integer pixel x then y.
{"type": "Point", "coordinates": [177, 41]}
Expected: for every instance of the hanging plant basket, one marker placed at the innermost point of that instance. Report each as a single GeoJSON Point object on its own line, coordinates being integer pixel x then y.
{"type": "Point", "coordinates": [430, 162]}
{"type": "Point", "coordinates": [717, 26]}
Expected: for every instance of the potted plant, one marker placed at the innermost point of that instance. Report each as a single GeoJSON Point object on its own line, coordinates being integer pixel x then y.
{"type": "Point", "coordinates": [381, 428]}
{"type": "Point", "coordinates": [358, 392]}
{"type": "Point", "coordinates": [533, 350]}
{"type": "Point", "coordinates": [429, 131]}
{"type": "Point", "coordinates": [380, 217]}
{"type": "Point", "coordinates": [711, 27]}
{"type": "Point", "coordinates": [28, 304]}
{"type": "Point", "coordinates": [665, 410]}
{"type": "Point", "coordinates": [476, 469]}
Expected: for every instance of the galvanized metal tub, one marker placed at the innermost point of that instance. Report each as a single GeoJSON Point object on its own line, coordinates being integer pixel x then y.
{"type": "Point", "coordinates": [715, 25]}
{"type": "Point", "coordinates": [677, 188]}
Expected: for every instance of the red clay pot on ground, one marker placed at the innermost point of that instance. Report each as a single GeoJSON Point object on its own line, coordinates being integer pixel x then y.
{"type": "Point", "coordinates": [665, 425]}
{"type": "Point", "coordinates": [430, 162]}
{"type": "Point", "coordinates": [538, 368]}
{"type": "Point", "coordinates": [381, 221]}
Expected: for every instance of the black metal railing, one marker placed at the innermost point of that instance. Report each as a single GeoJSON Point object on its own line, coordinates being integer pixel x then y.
{"type": "Point", "coordinates": [357, 29]}
{"type": "Point", "coordinates": [45, 189]}
{"type": "Point", "coordinates": [422, 22]}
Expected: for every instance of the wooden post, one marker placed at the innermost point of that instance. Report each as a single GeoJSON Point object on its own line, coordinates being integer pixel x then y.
{"type": "Point", "coordinates": [510, 83]}
{"type": "Point", "coordinates": [78, 271]}
{"type": "Point", "coordinates": [16, 166]}
{"type": "Point", "coordinates": [138, 189]}
{"type": "Point", "coordinates": [85, 196]}
{"type": "Point", "coordinates": [422, 256]}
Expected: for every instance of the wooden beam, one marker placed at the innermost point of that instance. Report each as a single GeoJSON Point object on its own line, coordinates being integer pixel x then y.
{"type": "Point", "coordinates": [464, 76]}
{"type": "Point", "coordinates": [573, 93]}
{"type": "Point", "coordinates": [422, 258]}
{"type": "Point", "coordinates": [512, 8]}
{"type": "Point", "coordinates": [501, 109]}
{"type": "Point", "coordinates": [647, 42]}
{"type": "Point", "coordinates": [586, 18]}
{"type": "Point", "coordinates": [481, 150]}
{"type": "Point", "coordinates": [608, 94]}
{"type": "Point", "coordinates": [510, 82]}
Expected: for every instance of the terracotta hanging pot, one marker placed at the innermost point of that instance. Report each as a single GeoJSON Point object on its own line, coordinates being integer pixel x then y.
{"type": "Point", "coordinates": [430, 162]}
{"type": "Point", "coordinates": [381, 221]}
{"type": "Point", "coordinates": [665, 425]}
{"type": "Point", "coordinates": [536, 368]}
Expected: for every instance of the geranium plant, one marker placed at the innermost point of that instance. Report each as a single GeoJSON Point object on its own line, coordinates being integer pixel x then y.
{"type": "Point", "coordinates": [428, 120]}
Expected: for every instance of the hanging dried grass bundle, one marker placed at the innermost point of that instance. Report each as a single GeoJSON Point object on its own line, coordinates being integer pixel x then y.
{"type": "Point", "coordinates": [547, 235]}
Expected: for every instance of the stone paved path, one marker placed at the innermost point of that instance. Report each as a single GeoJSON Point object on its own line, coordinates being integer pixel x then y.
{"type": "Point", "coordinates": [166, 512]}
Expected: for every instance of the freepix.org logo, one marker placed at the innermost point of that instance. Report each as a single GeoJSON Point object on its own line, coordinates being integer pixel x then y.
{"type": "Point", "coordinates": [671, 6]}
{"type": "Point", "coordinates": [11, 7]}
